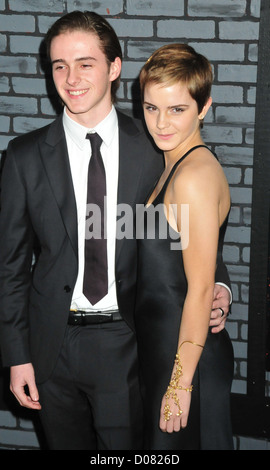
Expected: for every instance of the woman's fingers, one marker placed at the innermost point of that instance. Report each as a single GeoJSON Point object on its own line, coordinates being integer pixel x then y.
{"type": "Point", "coordinates": [177, 420]}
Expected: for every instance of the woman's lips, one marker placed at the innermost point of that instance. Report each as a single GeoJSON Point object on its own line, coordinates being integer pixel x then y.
{"type": "Point", "coordinates": [164, 136]}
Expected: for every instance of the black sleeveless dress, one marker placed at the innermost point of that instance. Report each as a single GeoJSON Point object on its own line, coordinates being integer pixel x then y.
{"type": "Point", "coordinates": [162, 289]}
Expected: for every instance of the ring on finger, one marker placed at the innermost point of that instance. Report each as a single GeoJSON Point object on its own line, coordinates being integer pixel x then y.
{"type": "Point", "coordinates": [222, 311]}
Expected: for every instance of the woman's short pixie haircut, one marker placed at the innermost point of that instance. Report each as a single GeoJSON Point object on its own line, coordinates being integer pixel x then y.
{"type": "Point", "coordinates": [89, 22]}
{"type": "Point", "coordinates": [175, 63]}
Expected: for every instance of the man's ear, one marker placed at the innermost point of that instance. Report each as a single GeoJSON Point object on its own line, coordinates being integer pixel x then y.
{"type": "Point", "coordinates": [115, 69]}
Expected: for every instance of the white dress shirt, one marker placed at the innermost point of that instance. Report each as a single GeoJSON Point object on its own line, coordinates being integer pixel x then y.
{"type": "Point", "coordinates": [79, 150]}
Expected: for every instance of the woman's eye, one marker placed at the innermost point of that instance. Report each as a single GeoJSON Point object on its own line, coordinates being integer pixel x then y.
{"type": "Point", "coordinates": [150, 108]}
{"type": "Point", "coordinates": [177, 110]}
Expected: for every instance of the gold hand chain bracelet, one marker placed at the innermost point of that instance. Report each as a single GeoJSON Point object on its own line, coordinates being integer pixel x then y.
{"type": "Point", "coordinates": [174, 385]}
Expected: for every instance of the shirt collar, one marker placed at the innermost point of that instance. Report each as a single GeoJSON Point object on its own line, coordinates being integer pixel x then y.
{"type": "Point", "coordinates": [106, 128]}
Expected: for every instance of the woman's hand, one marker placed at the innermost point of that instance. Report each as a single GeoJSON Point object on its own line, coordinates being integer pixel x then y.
{"type": "Point", "coordinates": [176, 420]}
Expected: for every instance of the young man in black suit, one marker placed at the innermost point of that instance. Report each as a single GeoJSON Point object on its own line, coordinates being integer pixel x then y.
{"type": "Point", "coordinates": [77, 354]}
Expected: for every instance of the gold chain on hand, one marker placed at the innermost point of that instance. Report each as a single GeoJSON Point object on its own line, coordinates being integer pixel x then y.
{"type": "Point", "coordinates": [174, 385]}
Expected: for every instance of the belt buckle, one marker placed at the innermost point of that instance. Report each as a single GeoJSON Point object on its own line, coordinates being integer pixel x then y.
{"type": "Point", "coordinates": [97, 317]}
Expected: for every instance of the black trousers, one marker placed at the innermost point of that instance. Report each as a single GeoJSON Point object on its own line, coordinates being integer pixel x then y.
{"type": "Point", "coordinates": [92, 401]}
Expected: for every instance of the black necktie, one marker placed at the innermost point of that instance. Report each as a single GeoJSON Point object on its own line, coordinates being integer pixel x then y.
{"type": "Point", "coordinates": [95, 283]}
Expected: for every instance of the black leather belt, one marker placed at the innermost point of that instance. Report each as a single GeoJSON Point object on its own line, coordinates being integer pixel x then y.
{"type": "Point", "coordinates": [81, 318]}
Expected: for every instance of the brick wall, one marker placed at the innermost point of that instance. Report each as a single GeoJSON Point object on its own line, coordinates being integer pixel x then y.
{"type": "Point", "coordinates": [226, 31]}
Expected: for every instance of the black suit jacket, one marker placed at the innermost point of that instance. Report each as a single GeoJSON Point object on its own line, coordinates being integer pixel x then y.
{"type": "Point", "coordinates": [38, 214]}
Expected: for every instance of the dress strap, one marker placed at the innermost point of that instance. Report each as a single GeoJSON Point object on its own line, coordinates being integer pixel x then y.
{"type": "Point", "coordinates": [164, 187]}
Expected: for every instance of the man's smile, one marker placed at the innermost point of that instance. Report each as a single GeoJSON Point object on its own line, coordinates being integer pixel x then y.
{"type": "Point", "coordinates": [76, 92]}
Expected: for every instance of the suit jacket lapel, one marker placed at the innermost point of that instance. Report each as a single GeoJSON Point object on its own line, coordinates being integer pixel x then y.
{"type": "Point", "coordinates": [130, 161]}
{"type": "Point", "coordinates": [54, 155]}
{"type": "Point", "coordinates": [130, 167]}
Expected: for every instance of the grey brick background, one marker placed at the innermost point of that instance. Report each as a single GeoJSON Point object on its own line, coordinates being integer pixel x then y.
{"type": "Point", "coordinates": [226, 31]}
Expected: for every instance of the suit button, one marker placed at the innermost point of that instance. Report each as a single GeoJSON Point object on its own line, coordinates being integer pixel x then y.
{"type": "Point", "coordinates": [67, 289]}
